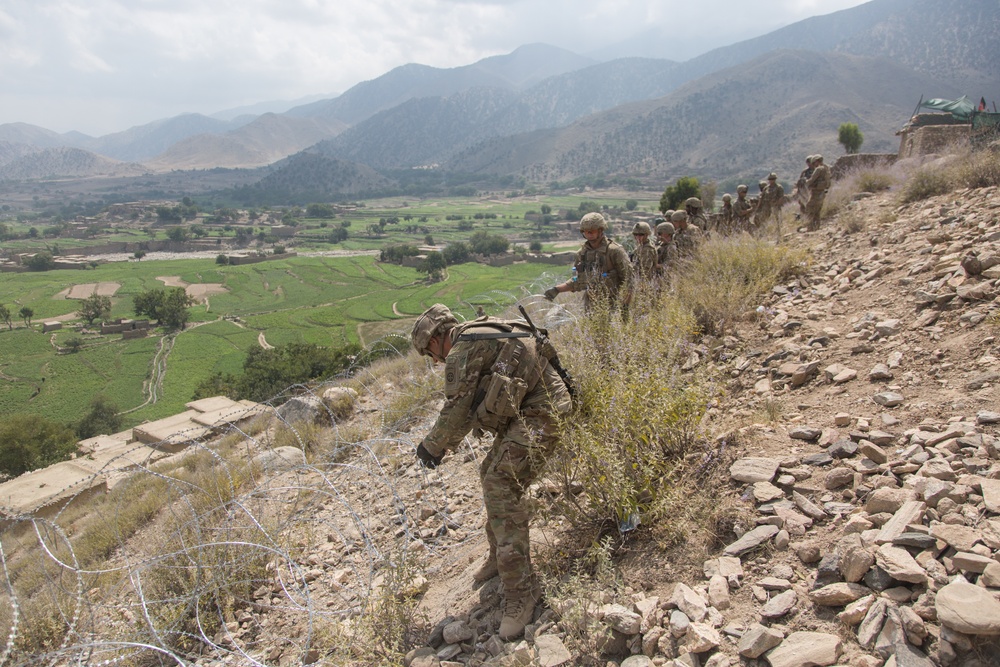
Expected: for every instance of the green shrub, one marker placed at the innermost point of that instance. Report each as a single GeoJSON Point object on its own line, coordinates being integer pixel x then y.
{"type": "Point", "coordinates": [872, 180]}
{"type": "Point", "coordinates": [925, 183]}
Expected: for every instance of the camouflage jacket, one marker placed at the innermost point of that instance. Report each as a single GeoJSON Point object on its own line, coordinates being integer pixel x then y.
{"type": "Point", "coordinates": [469, 373]}
{"type": "Point", "coordinates": [645, 261]}
{"type": "Point", "coordinates": [742, 208]}
{"type": "Point", "coordinates": [606, 267]}
{"type": "Point", "coordinates": [666, 255]}
{"type": "Point", "coordinates": [820, 179]}
{"type": "Point", "coordinates": [688, 239]}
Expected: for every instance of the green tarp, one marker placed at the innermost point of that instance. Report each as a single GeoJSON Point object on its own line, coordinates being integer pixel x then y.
{"type": "Point", "coordinates": [961, 108]}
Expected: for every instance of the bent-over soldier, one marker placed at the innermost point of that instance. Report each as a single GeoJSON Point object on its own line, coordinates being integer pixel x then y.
{"type": "Point", "coordinates": [498, 378]}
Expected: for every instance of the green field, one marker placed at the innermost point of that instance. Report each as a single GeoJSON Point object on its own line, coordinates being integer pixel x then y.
{"type": "Point", "coordinates": [323, 300]}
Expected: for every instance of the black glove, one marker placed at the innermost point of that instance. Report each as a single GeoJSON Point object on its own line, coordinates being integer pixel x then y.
{"type": "Point", "coordinates": [426, 458]}
{"type": "Point", "coordinates": [551, 293]}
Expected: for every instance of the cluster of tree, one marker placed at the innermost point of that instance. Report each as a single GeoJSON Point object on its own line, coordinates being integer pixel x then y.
{"type": "Point", "coordinates": [30, 441]}
{"type": "Point", "coordinates": [169, 307]}
{"type": "Point", "coordinates": [25, 313]}
{"type": "Point", "coordinates": [674, 195]}
{"type": "Point", "coordinates": [40, 261]}
{"type": "Point", "coordinates": [177, 213]}
{"type": "Point", "coordinates": [395, 253]}
{"type": "Point", "coordinates": [95, 307]}
{"type": "Point", "coordinates": [267, 373]}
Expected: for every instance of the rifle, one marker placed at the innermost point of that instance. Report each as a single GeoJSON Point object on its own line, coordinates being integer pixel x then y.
{"type": "Point", "coordinates": [546, 349]}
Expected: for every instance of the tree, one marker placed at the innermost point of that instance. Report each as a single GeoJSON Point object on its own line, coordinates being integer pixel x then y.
{"type": "Point", "coordinates": [103, 419]}
{"type": "Point", "coordinates": [674, 195]}
{"type": "Point", "coordinates": [178, 234]}
{"type": "Point", "coordinates": [74, 344]}
{"type": "Point", "coordinates": [94, 307]}
{"type": "Point", "coordinates": [167, 307]}
{"type": "Point", "coordinates": [631, 204]}
{"type": "Point", "coordinates": [320, 211]}
{"type": "Point", "coordinates": [484, 243]}
{"type": "Point", "coordinates": [535, 246]}
{"type": "Point", "coordinates": [221, 259]}
{"type": "Point", "coordinates": [457, 253]}
{"type": "Point", "coordinates": [40, 261]}
{"type": "Point", "coordinates": [850, 137]}
{"type": "Point", "coordinates": [139, 254]}
{"type": "Point", "coordinates": [546, 209]}
{"type": "Point", "coordinates": [5, 316]}
{"type": "Point", "coordinates": [26, 315]}
{"type": "Point", "coordinates": [28, 442]}
{"type": "Point", "coordinates": [433, 264]}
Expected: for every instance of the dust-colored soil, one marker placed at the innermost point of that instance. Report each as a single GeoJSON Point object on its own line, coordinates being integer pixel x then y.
{"type": "Point", "coordinates": [89, 289]}
{"type": "Point", "coordinates": [197, 291]}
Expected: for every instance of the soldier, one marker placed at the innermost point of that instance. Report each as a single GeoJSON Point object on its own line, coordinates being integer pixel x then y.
{"type": "Point", "coordinates": [801, 191]}
{"type": "Point", "coordinates": [726, 216]}
{"type": "Point", "coordinates": [695, 213]}
{"type": "Point", "coordinates": [762, 211]}
{"type": "Point", "coordinates": [742, 209]}
{"type": "Point", "coordinates": [601, 265]}
{"type": "Point", "coordinates": [644, 259]}
{"type": "Point", "coordinates": [509, 386]}
{"type": "Point", "coordinates": [774, 195]}
{"type": "Point", "coordinates": [687, 236]}
{"type": "Point", "coordinates": [666, 249]}
{"type": "Point", "coordinates": [817, 184]}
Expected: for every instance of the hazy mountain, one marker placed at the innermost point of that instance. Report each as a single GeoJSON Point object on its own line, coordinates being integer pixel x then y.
{"type": "Point", "coordinates": [11, 151]}
{"type": "Point", "coordinates": [65, 162]}
{"type": "Point", "coordinates": [309, 176]}
{"type": "Point", "coordinates": [265, 140]}
{"type": "Point", "coordinates": [739, 123]}
{"type": "Point", "coordinates": [146, 141]}
{"type": "Point", "coordinates": [31, 136]}
{"type": "Point", "coordinates": [508, 72]}
{"type": "Point", "coordinates": [271, 106]}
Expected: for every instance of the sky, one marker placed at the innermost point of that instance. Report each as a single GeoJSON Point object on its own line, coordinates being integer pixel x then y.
{"type": "Point", "coordinates": [103, 66]}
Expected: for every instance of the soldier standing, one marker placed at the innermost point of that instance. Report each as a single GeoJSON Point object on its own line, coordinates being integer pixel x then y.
{"type": "Point", "coordinates": [687, 236]}
{"type": "Point", "coordinates": [742, 209]}
{"type": "Point", "coordinates": [774, 195]}
{"type": "Point", "coordinates": [801, 192]}
{"type": "Point", "coordinates": [666, 249]}
{"type": "Point", "coordinates": [644, 259]}
{"type": "Point", "coordinates": [762, 211]}
{"type": "Point", "coordinates": [695, 213]}
{"type": "Point", "coordinates": [601, 265]}
{"type": "Point", "coordinates": [505, 385]}
{"type": "Point", "coordinates": [818, 184]}
{"type": "Point", "coordinates": [726, 216]}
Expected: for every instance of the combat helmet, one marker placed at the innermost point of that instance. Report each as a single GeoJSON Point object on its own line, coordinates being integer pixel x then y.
{"type": "Point", "coordinates": [665, 228]}
{"type": "Point", "coordinates": [428, 324]}
{"type": "Point", "coordinates": [693, 202]}
{"type": "Point", "coordinates": [592, 221]}
{"type": "Point", "coordinates": [642, 228]}
{"type": "Point", "coordinates": [727, 197]}
{"type": "Point", "coordinates": [679, 216]}
{"type": "Point", "coordinates": [741, 188]}
{"type": "Point", "coordinates": [772, 176]}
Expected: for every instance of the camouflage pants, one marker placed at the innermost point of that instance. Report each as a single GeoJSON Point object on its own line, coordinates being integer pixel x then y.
{"type": "Point", "coordinates": [814, 207]}
{"type": "Point", "coordinates": [513, 463]}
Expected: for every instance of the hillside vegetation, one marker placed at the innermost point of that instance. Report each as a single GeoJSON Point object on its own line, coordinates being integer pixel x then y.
{"type": "Point", "coordinates": [359, 556]}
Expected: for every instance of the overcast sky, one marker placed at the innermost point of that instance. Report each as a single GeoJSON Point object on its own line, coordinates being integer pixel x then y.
{"type": "Point", "coordinates": [101, 66]}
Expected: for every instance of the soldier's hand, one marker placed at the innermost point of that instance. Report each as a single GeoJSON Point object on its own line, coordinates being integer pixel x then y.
{"type": "Point", "coordinates": [427, 459]}
{"type": "Point", "coordinates": [551, 293]}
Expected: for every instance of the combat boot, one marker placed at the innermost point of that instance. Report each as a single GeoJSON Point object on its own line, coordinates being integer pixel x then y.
{"type": "Point", "coordinates": [488, 570]}
{"type": "Point", "coordinates": [518, 611]}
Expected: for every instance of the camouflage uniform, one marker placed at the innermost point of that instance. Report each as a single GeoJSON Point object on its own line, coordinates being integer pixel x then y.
{"type": "Point", "coordinates": [818, 184]}
{"type": "Point", "coordinates": [666, 251]}
{"type": "Point", "coordinates": [774, 196]}
{"type": "Point", "coordinates": [801, 192]}
{"type": "Point", "coordinates": [523, 439]}
{"type": "Point", "coordinates": [763, 210]}
{"type": "Point", "coordinates": [726, 216]}
{"type": "Point", "coordinates": [644, 259]}
{"type": "Point", "coordinates": [687, 239]}
{"type": "Point", "coordinates": [601, 271]}
{"type": "Point", "coordinates": [742, 210]}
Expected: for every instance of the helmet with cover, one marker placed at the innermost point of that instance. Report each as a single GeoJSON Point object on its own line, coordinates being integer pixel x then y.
{"type": "Point", "coordinates": [727, 197]}
{"type": "Point", "coordinates": [593, 221]}
{"type": "Point", "coordinates": [692, 202]}
{"type": "Point", "coordinates": [665, 228]}
{"type": "Point", "coordinates": [679, 216]}
{"type": "Point", "coordinates": [428, 324]}
{"type": "Point", "coordinates": [741, 188]}
{"type": "Point", "coordinates": [641, 228]}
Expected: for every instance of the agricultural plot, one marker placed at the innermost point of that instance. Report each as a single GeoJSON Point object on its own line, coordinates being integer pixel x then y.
{"type": "Point", "coordinates": [324, 300]}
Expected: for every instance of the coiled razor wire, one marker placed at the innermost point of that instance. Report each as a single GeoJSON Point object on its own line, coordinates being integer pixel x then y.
{"type": "Point", "coordinates": [254, 553]}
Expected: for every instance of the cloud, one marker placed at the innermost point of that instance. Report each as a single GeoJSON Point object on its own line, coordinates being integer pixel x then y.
{"type": "Point", "coordinates": [148, 59]}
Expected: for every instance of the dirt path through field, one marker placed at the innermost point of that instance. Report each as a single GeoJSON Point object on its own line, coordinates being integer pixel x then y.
{"type": "Point", "coordinates": [262, 341]}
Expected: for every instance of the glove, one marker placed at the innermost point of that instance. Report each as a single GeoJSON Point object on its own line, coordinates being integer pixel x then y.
{"type": "Point", "coordinates": [551, 293]}
{"type": "Point", "coordinates": [427, 459]}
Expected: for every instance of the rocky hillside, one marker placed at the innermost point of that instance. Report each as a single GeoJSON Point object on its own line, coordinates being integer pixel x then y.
{"type": "Point", "coordinates": [865, 396]}
{"type": "Point", "coordinates": [65, 162]}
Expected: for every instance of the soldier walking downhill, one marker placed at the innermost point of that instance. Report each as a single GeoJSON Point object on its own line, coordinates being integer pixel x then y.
{"type": "Point", "coordinates": [508, 386]}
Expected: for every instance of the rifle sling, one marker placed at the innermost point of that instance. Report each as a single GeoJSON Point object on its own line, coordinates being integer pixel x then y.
{"type": "Point", "coordinates": [493, 335]}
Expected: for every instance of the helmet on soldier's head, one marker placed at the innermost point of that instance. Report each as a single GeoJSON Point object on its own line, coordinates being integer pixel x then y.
{"type": "Point", "coordinates": [658, 219]}
{"type": "Point", "coordinates": [817, 158]}
{"type": "Point", "coordinates": [641, 228]}
{"type": "Point", "coordinates": [741, 188]}
{"type": "Point", "coordinates": [693, 202]}
{"type": "Point", "coordinates": [761, 184]}
{"type": "Point", "coordinates": [810, 158]}
{"type": "Point", "coordinates": [592, 221]}
{"type": "Point", "coordinates": [727, 197]}
{"type": "Point", "coordinates": [772, 176]}
{"type": "Point", "coordinates": [428, 324]}
{"type": "Point", "coordinates": [679, 216]}
{"type": "Point", "coordinates": [665, 228]}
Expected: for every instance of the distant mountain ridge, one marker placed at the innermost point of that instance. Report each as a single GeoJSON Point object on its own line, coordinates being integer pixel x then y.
{"type": "Point", "coordinates": [497, 115]}
{"type": "Point", "coordinates": [63, 162]}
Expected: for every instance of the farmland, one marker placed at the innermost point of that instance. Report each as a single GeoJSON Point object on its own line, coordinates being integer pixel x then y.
{"type": "Point", "coordinates": [328, 301]}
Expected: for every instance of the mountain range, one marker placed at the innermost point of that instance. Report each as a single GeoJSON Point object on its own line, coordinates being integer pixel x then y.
{"type": "Point", "coordinates": [546, 114]}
